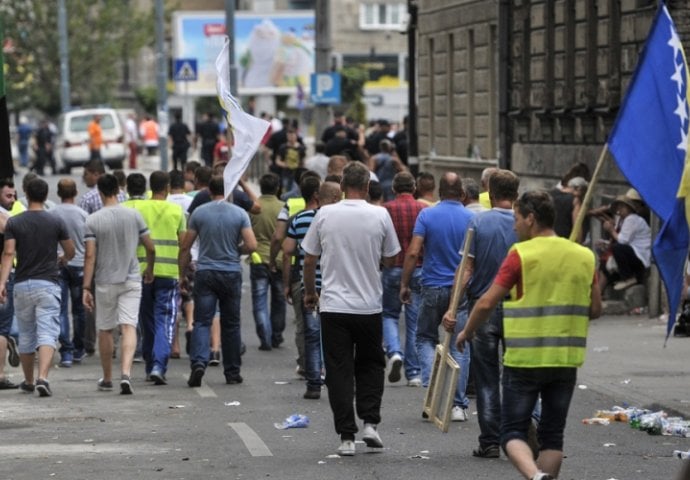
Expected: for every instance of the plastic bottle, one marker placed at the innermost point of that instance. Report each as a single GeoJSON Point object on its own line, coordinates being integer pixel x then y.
{"type": "Point", "coordinates": [676, 429]}
{"type": "Point", "coordinates": [681, 454]}
{"type": "Point", "coordinates": [652, 423]}
{"type": "Point", "coordinates": [596, 421]}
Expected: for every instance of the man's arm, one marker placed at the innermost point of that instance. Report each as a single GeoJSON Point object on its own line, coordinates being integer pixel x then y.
{"type": "Point", "coordinates": [67, 249]}
{"type": "Point", "coordinates": [184, 256]}
{"type": "Point", "coordinates": [256, 206]}
{"type": "Point", "coordinates": [289, 246]}
{"type": "Point", "coordinates": [7, 259]}
{"type": "Point", "coordinates": [89, 265]}
{"type": "Point", "coordinates": [311, 299]}
{"type": "Point", "coordinates": [409, 264]}
{"type": "Point", "coordinates": [248, 241]}
{"type": "Point", "coordinates": [150, 257]}
{"type": "Point", "coordinates": [279, 235]}
{"type": "Point", "coordinates": [480, 313]}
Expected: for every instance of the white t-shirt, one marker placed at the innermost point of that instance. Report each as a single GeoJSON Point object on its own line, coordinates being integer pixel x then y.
{"type": "Point", "coordinates": [351, 236]}
{"type": "Point", "coordinates": [636, 233]}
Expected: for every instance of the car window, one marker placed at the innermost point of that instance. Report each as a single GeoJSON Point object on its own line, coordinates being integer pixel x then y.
{"type": "Point", "coordinates": [80, 123]}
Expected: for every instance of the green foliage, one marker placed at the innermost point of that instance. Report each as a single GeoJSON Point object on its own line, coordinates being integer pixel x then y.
{"type": "Point", "coordinates": [147, 98]}
{"type": "Point", "coordinates": [102, 34]}
{"type": "Point", "coordinates": [352, 88]}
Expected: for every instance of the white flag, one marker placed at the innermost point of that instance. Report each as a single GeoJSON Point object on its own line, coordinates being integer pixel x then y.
{"type": "Point", "coordinates": [247, 130]}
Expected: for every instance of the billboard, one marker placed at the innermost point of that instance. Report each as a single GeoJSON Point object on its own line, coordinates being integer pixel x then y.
{"type": "Point", "coordinates": [274, 52]}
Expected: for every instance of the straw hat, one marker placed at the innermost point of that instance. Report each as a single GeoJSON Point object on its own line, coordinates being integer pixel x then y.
{"type": "Point", "coordinates": [626, 200]}
{"type": "Point", "coordinates": [633, 195]}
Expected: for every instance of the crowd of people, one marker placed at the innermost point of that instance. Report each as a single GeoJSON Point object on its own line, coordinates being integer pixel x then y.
{"type": "Point", "coordinates": [351, 240]}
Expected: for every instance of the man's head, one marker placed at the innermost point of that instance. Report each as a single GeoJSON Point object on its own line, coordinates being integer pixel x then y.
{"type": "Point", "coordinates": [355, 177]}
{"type": "Point", "coordinates": [426, 184]}
{"type": "Point", "coordinates": [503, 185]}
{"type": "Point", "coordinates": [176, 180]}
{"type": "Point", "coordinates": [202, 177]}
{"type": "Point", "coordinates": [486, 175]}
{"type": "Point", "coordinates": [136, 185]}
{"type": "Point", "coordinates": [93, 169]}
{"type": "Point", "coordinates": [7, 193]}
{"type": "Point", "coordinates": [403, 182]}
{"type": "Point", "coordinates": [108, 186]}
{"type": "Point", "coordinates": [329, 193]}
{"type": "Point", "coordinates": [291, 135]}
{"type": "Point", "coordinates": [37, 190]}
{"type": "Point", "coordinates": [534, 211]}
{"type": "Point", "coordinates": [216, 186]}
{"type": "Point", "coordinates": [309, 186]}
{"type": "Point", "coordinates": [97, 118]}
{"type": "Point", "coordinates": [450, 187]}
{"type": "Point", "coordinates": [121, 178]}
{"type": "Point", "coordinates": [375, 192]}
{"type": "Point", "coordinates": [159, 181]}
{"type": "Point", "coordinates": [189, 168]}
{"type": "Point", "coordinates": [386, 146]}
{"type": "Point", "coordinates": [269, 184]}
{"type": "Point", "coordinates": [336, 164]}
{"type": "Point", "coordinates": [66, 189]}
{"type": "Point", "coordinates": [471, 189]}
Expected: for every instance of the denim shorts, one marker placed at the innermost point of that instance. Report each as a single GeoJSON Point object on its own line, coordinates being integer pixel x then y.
{"type": "Point", "coordinates": [522, 388]}
{"type": "Point", "coordinates": [37, 307]}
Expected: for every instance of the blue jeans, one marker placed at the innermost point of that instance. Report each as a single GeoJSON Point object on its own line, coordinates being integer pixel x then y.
{"type": "Point", "coordinates": [212, 287]}
{"type": "Point", "coordinates": [269, 326]}
{"type": "Point", "coordinates": [486, 359]}
{"type": "Point", "coordinates": [312, 348]}
{"type": "Point", "coordinates": [433, 306]}
{"type": "Point", "coordinates": [521, 389]}
{"type": "Point", "coordinates": [157, 314]}
{"type": "Point", "coordinates": [37, 305]}
{"type": "Point", "coordinates": [71, 283]}
{"type": "Point", "coordinates": [7, 310]}
{"type": "Point", "coordinates": [390, 278]}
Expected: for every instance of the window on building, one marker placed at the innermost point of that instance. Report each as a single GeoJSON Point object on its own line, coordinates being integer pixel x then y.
{"type": "Point", "coordinates": [381, 16]}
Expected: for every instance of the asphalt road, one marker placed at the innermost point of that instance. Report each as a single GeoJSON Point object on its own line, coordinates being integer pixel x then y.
{"type": "Point", "coordinates": [223, 431]}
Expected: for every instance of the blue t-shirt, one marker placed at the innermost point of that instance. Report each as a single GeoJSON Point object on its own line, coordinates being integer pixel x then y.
{"type": "Point", "coordinates": [219, 227]}
{"type": "Point", "coordinates": [493, 237]}
{"type": "Point", "coordinates": [443, 228]}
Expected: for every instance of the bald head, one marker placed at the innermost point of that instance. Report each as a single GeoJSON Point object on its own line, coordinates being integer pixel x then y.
{"type": "Point", "coordinates": [329, 193]}
{"type": "Point", "coordinates": [450, 187]}
{"type": "Point", "coordinates": [67, 189]}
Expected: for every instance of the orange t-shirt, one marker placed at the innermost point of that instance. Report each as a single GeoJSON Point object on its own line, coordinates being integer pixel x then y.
{"type": "Point", "coordinates": [95, 135]}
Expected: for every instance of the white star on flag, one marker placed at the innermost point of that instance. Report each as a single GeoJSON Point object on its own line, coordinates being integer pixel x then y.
{"type": "Point", "coordinates": [675, 43]}
{"type": "Point", "coordinates": [683, 145]}
{"type": "Point", "coordinates": [678, 76]}
{"type": "Point", "coordinates": [681, 110]}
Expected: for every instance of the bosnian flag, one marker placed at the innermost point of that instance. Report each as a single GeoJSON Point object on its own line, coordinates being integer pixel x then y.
{"type": "Point", "coordinates": [247, 130]}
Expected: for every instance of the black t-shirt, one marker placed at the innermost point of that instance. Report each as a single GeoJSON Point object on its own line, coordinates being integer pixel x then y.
{"type": "Point", "coordinates": [179, 133]}
{"type": "Point", "coordinates": [293, 156]}
{"type": "Point", "coordinates": [563, 202]}
{"type": "Point", "coordinates": [208, 131]}
{"type": "Point", "coordinates": [239, 198]}
{"type": "Point", "coordinates": [36, 234]}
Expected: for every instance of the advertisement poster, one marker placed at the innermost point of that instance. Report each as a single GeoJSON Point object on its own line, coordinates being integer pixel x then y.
{"type": "Point", "coordinates": [274, 53]}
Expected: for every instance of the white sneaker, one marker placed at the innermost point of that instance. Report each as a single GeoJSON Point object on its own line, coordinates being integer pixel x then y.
{"type": "Point", "coordinates": [346, 448]}
{"type": "Point", "coordinates": [394, 366]}
{"type": "Point", "coordinates": [414, 382]}
{"type": "Point", "coordinates": [458, 414]}
{"type": "Point", "coordinates": [371, 436]}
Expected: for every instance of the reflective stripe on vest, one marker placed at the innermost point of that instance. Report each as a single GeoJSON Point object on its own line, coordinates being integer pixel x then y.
{"type": "Point", "coordinates": [164, 220]}
{"type": "Point", "coordinates": [547, 327]}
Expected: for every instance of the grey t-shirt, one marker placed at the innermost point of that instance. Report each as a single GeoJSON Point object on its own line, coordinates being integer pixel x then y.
{"type": "Point", "coordinates": [74, 219]}
{"type": "Point", "coordinates": [37, 234]}
{"type": "Point", "coordinates": [116, 231]}
{"type": "Point", "coordinates": [219, 226]}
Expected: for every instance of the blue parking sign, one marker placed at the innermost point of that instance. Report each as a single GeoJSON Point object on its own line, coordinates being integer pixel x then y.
{"type": "Point", "coordinates": [325, 88]}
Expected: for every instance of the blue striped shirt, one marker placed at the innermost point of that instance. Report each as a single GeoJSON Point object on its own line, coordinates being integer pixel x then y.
{"type": "Point", "coordinates": [299, 225]}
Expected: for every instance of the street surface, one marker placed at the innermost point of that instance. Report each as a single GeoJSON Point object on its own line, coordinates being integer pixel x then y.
{"type": "Point", "coordinates": [227, 431]}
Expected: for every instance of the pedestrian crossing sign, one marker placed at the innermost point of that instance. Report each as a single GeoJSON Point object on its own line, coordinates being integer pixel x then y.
{"type": "Point", "coordinates": [185, 70]}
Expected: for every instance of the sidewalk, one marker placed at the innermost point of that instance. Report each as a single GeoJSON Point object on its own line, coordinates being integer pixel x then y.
{"type": "Point", "coordinates": [626, 360]}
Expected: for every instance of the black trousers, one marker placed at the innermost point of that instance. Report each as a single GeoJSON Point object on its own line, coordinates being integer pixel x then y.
{"type": "Point", "coordinates": [628, 264]}
{"type": "Point", "coordinates": [355, 367]}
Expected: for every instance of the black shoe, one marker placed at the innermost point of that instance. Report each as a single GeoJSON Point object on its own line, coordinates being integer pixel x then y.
{"type": "Point", "coordinates": [233, 379]}
{"type": "Point", "coordinates": [27, 387]}
{"type": "Point", "coordinates": [5, 384]}
{"type": "Point", "coordinates": [265, 348]}
{"type": "Point", "coordinates": [43, 388]}
{"type": "Point", "coordinates": [215, 359]}
{"type": "Point", "coordinates": [312, 394]}
{"type": "Point", "coordinates": [490, 451]}
{"type": "Point", "coordinates": [13, 357]}
{"type": "Point", "coordinates": [195, 377]}
{"type": "Point", "coordinates": [126, 386]}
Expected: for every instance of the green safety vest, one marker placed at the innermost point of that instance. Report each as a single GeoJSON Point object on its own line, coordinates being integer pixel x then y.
{"type": "Point", "coordinates": [165, 220]}
{"type": "Point", "coordinates": [295, 205]}
{"type": "Point", "coordinates": [547, 326]}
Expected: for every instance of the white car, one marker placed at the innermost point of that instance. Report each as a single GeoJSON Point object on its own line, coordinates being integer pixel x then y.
{"type": "Point", "coordinates": [73, 138]}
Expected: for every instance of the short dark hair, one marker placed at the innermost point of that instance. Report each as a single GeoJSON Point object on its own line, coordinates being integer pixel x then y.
{"type": "Point", "coordinates": [269, 183]}
{"type": "Point", "coordinates": [503, 185]}
{"type": "Point", "coordinates": [6, 182]}
{"type": "Point", "coordinates": [66, 188]}
{"type": "Point", "coordinates": [37, 190]}
{"type": "Point", "coordinates": [403, 182]}
{"type": "Point", "coordinates": [108, 186]}
{"type": "Point", "coordinates": [425, 182]}
{"type": "Point", "coordinates": [471, 188]}
{"type": "Point", "coordinates": [375, 191]}
{"type": "Point", "coordinates": [176, 179]}
{"type": "Point", "coordinates": [27, 178]}
{"type": "Point", "coordinates": [191, 166]}
{"type": "Point", "coordinates": [202, 175]}
{"type": "Point", "coordinates": [121, 178]}
{"type": "Point", "coordinates": [216, 186]}
{"type": "Point", "coordinates": [540, 204]}
{"type": "Point", "coordinates": [95, 166]}
{"type": "Point", "coordinates": [356, 175]}
{"type": "Point", "coordinates": [450, 187]}
{"type": "Point", "coordinates": [159, 181]}
{"type": "Point", "coordinates": [136, 184]}
{"type": "Point", "coordinates": [309, 186]}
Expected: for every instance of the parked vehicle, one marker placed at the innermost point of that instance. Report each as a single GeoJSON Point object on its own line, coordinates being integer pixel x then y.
{"type": "Point", "coordinates": [73, 139]}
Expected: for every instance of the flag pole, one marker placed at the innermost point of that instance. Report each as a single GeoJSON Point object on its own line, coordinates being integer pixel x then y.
{"type": "Point", "coordinates": [588, 196]}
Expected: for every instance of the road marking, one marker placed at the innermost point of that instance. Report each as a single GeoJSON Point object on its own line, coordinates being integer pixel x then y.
{"type": "Point", "coordinates": [31, 450]}
{"type": "Point", "coordinates": [204, 390]}
{"type": "Point", "coordinates": [251, 440]}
